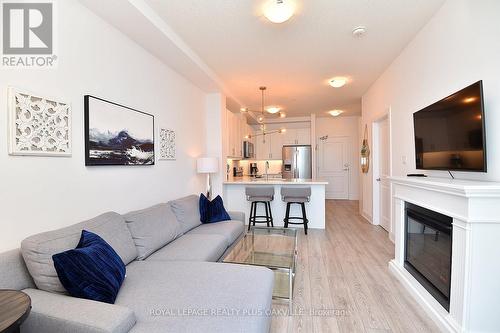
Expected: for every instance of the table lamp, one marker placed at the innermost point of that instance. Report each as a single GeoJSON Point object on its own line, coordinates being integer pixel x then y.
{"type": "Point", "coordinates": [207, 165]}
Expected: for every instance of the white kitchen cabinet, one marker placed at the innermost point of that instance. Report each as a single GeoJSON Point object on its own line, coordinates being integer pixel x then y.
{"type": "Point", "coordinates": [270, 149]}
{"type": "Point", "coordinates": [303, 136]}
{"type": "Point", "coordinates": [276, 146]}
{"type": "Point", "coordinates": [262, 148]}
{"type": "Point", "coordinates": [236, 129]}
{"type": "Point", "coordinates": [297, 136]}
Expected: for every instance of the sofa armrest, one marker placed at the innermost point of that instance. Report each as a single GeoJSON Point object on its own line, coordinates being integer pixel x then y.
{"type": "Point", "coordinates": [54, 313]}
{"type": "Point", "coordinates": [238, 216]}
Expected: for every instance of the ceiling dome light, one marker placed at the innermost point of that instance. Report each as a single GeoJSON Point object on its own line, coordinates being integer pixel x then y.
{"type": "Point", "coordinates": [359, 32]}
{"type": "Point", "coordinates": [338, 82]}
{"type": "Point", "coordinates": [279, 11]}
{"type": "Point", "coordinates": [273, 109]}
{"type": "Point", "coordinates": [335, 113]}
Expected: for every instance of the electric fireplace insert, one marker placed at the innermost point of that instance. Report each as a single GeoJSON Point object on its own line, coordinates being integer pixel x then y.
{"type": "Point", "coordinates": [428, 238]}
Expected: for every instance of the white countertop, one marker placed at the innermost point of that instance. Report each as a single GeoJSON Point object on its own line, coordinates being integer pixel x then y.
{"type": "Point", "coordinates": [273, 181]}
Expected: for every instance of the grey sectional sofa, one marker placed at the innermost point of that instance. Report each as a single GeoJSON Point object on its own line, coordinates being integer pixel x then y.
{"type": "Point", "coordinates": [173, 282]}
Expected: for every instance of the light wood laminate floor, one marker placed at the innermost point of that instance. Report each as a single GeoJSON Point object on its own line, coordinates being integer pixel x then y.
{"type": "Point", "coordinates": [343, 283]}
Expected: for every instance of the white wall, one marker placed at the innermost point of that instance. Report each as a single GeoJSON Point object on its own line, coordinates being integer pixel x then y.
{"type": "Point", "coordinates": [215, 143]}
{"type": "Point", "coordinates": [40, 193]}
{"type": "Point", "coordinates": [344, 126]}
{"type": "Point", "coordinates": [460, 45]}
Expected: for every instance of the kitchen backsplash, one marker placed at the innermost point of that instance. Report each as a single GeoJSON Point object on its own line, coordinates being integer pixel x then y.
{"type": "Point", "coordinates": [274, 166]}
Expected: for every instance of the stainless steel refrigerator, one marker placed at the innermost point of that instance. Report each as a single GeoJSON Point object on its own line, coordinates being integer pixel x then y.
{"type": "Point", "coordinates": [297, 162]}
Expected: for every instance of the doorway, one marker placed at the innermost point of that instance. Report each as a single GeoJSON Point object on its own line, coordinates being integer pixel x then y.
{"type": "Point", "coordinates": [334, 165]}
{"type": "Point", "coordinates": [382, 172]}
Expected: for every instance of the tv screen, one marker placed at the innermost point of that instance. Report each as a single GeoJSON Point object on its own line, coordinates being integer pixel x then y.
{"type": "Point", "coordinates": [450, 135]}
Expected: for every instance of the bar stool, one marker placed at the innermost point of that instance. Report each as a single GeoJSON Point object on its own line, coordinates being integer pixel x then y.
{"type": "Point", "coordinates": [299, 196]}
{"type": "Point", "coordinates": [263, 195]}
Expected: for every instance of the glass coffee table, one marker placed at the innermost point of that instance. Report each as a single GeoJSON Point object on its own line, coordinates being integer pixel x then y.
{"type": "Point", "coordinates": [274, 248]}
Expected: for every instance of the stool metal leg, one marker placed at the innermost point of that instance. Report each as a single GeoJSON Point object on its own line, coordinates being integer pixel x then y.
{"type": "Point", "coordinates": [250, 217]}
{"type": "Point", "coordinates": [270, 213]}
{"type": "Point", "coordinates": [267, 214]}
{"type": "Point", "coordinates": [287, 214]}
{"type": "Point", "coordinates": [304, 216]}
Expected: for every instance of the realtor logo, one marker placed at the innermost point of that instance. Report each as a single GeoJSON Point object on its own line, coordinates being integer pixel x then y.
{"type": "Point", "coordinates": [28, 34]}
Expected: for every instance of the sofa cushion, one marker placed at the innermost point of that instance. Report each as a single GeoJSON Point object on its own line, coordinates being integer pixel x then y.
{"type": "Point", "coordinates": [197, 297]}
{"type": "Point", "coordinates": [187, 212]}
{"type": "Point", "coordinates": [57, 313]}
{"type": "Point", "coordinates": [230, 230]}
{"type": "Point", "coordinates": [152, 228]}
{"type": "Point", "coordinates": [92, 270]}
{"type": "Point", "coordinates": [14, 274]}
{"type": "Point", "coordinates": [38, 249]}
{"type": "Point", "coordinates": [192, 248]}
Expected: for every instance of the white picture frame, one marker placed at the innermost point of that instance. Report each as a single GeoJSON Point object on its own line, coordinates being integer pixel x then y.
{"type": "Point", "coordinates": [167, 144]}
{"type": "Point", "coordinates": [38, 126]}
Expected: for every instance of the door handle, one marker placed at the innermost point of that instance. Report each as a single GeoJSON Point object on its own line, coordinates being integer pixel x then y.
{"type": "Point", "coordinates": [378, 179]}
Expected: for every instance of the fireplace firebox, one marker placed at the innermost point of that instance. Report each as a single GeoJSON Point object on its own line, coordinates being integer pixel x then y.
{"type": "Point", "coordinates": [428, 238]}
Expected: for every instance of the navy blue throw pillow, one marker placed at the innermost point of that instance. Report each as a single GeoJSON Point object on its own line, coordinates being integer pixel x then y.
{"type": "Point", "coordinates": [204, 205]}
{"type": "Point", "coordinates": [212, 211]}
{"type": "Point", "coordinates": [93, 270]}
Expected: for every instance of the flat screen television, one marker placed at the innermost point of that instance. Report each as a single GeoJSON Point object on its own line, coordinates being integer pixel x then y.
{"type": "Point", "coordinates": [450, 134]}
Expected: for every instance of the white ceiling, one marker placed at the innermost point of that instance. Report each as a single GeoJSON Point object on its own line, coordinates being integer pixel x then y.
{"type": "Point", "coordinates": [296, 59]}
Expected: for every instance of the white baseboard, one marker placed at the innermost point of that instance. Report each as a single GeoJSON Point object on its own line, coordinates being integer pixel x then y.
{"type": "Point", "coordinates": [366, 217]}
{"type": "Point", "coordinates": [437, 313]}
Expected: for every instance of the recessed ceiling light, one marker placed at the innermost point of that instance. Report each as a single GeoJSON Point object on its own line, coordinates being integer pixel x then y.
{"type": "Point", "coordinates": [282, 130]}
{"type": "Point", "coordinates": [359, 32]}
{"type": "Point", "coordinates": [282, 114]}
{"type": "Point", "coordinates": [279, 11]}
{"type": "Point", "coordinates": [338, 81]}
{"type": "Point", "coordinates": [335, 113]}
{"type": "Point", "coordinates": [273, 109]}
{"type": "Point", "coordinates": [244, 109]}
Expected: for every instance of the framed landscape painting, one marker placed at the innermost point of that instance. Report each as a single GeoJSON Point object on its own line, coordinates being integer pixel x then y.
{"type": "Point", "coordinates": [116, 134]}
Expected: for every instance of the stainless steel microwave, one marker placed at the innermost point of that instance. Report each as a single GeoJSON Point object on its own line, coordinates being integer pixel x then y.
{"type": "Point", "coordinates": [248, 150]}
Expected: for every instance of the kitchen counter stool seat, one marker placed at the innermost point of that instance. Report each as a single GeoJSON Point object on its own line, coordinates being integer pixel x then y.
{"type": "Point", "coordinates": [299, 196]}
{"type": "Point", "coordinates": [260, 195]}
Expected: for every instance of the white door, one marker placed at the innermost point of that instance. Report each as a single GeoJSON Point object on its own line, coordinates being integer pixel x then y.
{"type": "Point", "coordinates": [383, 167]}
{"type": "Point", "coordinates": [333, 166]}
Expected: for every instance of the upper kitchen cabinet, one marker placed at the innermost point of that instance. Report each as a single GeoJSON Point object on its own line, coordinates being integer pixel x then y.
{"type": "Point", "coordinates": [237, 128]}
{"type": "Point", "coordinates": [297, 136]}
{"type": "Point", "coordinates": [269, 147]}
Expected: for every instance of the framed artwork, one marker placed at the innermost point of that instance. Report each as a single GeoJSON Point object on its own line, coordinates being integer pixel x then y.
{"type": "Point", "coordinates": [167, 144]}
{"type": "Point", "coordinates": [38, 126]}
{"type": "Point", "coordinates": [117, 135]}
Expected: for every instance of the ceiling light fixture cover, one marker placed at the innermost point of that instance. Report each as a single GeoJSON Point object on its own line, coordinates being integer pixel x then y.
{"type": "Point", "coordinates": [273, 109]}
{"type": "Point", "coordinates": [279, 11]}
{"type": "Point", "coordinates": [338, 82]}
{"type": "Point", "coordinates": [335, 113]}
{"type": "Point", "coordinates": [359, 32]}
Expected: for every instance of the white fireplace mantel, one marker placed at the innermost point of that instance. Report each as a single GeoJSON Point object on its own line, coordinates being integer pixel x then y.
{"type": "Point", "coordinates": [475, 272]}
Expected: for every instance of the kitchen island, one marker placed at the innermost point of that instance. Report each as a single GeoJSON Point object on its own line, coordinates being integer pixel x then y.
{"type": "Point", "coordinates": [235, 199]}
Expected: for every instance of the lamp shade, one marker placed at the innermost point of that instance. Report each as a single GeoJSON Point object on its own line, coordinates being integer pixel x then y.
{"type": "Point", "coordinates": [207, 165]}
